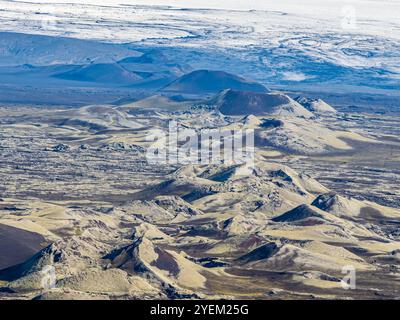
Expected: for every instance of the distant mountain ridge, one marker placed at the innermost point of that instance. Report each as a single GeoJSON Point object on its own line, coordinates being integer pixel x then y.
{"type": "Point", "coordinates": [103, 73]}
{"type": "Point", "coordinates": [210, 81]}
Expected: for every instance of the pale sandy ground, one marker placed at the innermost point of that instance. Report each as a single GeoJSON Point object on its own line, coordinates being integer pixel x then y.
{"type": "Point", "coordinates": [247, 224]}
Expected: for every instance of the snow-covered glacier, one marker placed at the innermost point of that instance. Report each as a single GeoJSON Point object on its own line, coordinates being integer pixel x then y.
{"type": "Point", "coordinates": [331, 46]}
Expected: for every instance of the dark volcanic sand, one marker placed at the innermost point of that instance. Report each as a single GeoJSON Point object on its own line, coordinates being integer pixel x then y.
{"type": "Point", "coordinates": [17, 245]}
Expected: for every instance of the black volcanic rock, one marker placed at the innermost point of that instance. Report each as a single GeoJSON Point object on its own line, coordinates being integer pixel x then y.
{"type": "Point", "coordinates": [60, 148]}
{"type": "Point", "coordinates": [263, 252]}
{"type": "Point", "coordinates": [326, 201]}
{"type": "Point", "coordinates": [301, 212]}
{"type": "Point", "coordinates": [35, 263]}
{"type": "Point", "coordinates": [235, 103]}
{"type": "Point", "coordinates": [17, 245]}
